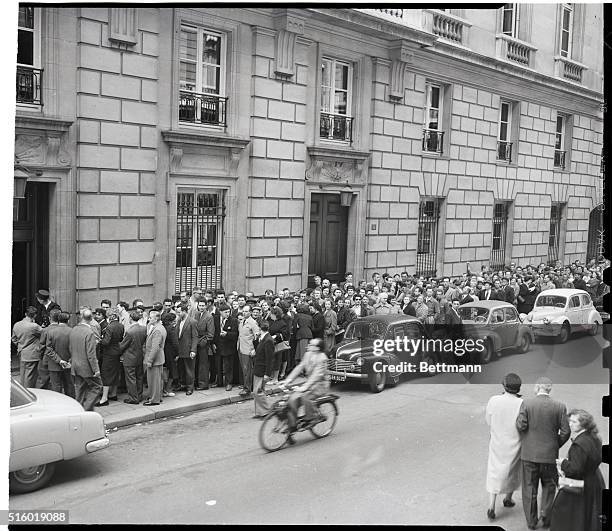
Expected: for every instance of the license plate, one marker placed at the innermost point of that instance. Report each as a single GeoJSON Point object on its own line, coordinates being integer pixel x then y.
{"type": "Point", "coordinates": [338, 377]}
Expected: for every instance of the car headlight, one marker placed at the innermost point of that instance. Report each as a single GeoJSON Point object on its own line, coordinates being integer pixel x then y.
{"type": "Point", "coordinates": [359, 362]}
{"type": "Point", "coordinates": [546, 320]}
{"type": "Point", "coordinates": [530, 317]}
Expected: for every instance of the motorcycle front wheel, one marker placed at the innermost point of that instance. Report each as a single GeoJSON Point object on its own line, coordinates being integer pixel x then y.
{"type": "Point", "coordinates": [274, 432]}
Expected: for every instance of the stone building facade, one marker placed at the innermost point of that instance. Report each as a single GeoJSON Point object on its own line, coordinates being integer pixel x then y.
{"type": "Point", "coordinates": [251, 148]}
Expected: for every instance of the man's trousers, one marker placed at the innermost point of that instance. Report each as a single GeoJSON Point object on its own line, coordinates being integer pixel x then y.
{"type": "Point", "coordinates": [61, 381]}
{"type": "Point", "coordinates": [134, 377]}
{"type": "Point", "coordinates": [533, 474]}
{"type": "Point", "coordinates": [88, 391]}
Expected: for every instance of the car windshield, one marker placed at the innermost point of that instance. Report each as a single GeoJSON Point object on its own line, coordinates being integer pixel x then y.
{"type": "Point", "coordinates": [20, 396]}
{"type": "Point", "coordinates": [365, 330]}
{"type": "Point", "coordinates": [471, 313]}
{"type": "Point", "coordinates": [551, 300]}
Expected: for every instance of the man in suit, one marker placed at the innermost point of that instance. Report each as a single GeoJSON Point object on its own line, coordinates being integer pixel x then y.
{"type": "Point", "coordinates": [132, 348]}
{"type": "Point", "coordinates": [206, 332]}
{"type": "Point", "coordinates": [26, 336]}
{"type": "Point", "coordinates": [248, 332]}
{"type": "Point", "coordinates": [154, 358]}
{"type": "Point", "coordinates": [263, 366]}
{"type": "Point", "coordinates": [57, 352]}
{"type": "Point", "coordinates": [545, 428]}
{"type": "Point", "coordinates": [43, 306]}
{"type": "Point", "coordinates": [227, 343]}
{"type": "Point", "coordinates": [85, 369]}
{"type": "Point", "coordinates": [187, 332]}
{"type": "Point", "coordinates": [318, 321]}
{"type": "Point", "coordinates": [486, 293]}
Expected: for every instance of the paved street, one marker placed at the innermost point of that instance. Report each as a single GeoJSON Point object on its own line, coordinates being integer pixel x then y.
{"type": "Point", "coordinates": [414, 454]}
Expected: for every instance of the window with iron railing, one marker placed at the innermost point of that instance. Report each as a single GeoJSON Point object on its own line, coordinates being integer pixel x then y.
{"type": "Point", "coordinates": [433, 136]}
{"type": "Point", "coordinates": [202, 77]}
{"type": "Point", "coordinates": [199, 239]}
{"type": "Point", "coordinates": [29, 74]}
{"type": "Point", "coordinates": [554, 235]}
{"type": "Point", "coordinates": [560, 140]}
{"type": "Point", "coordinates": [504, 146]}
{"type": "Point", "coordinates": [500, 228]}
{"type": "Point", "coordinates": [427, 237]}
{"type": "Point", "coordinates": [336, 122]}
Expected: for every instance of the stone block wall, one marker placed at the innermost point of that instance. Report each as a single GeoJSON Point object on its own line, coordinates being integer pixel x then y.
{"type": "Point", "coordinates": [117, 159]}
{"type": "Point", "coordinates": [276, 189]}
{"type": "Point", "coordinates": [470, 179]}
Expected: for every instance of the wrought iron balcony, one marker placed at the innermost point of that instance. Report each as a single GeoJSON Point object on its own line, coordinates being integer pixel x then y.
{"type": "Point", "coordinates": [433, 141]}
{"type": "Point", "coordinates": [208, 109]}
{"type": "Point", "coordinates": [504, 151]}
{"type": "Point", "coordinates": [559, 159]}
{"type": "Point", "coordinates": [336, 127]}
{"type": "Point", "coordinates": [29, 84]}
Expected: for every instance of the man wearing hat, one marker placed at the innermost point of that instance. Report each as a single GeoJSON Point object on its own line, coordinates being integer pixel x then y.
{"type": "Point", "coordinates": [43, 306]}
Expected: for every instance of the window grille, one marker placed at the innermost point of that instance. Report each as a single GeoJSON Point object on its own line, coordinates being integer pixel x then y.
{"type": "Point", "coordinates": [500, 228]}
{"type": "Point", "coordinates": [427, 239]}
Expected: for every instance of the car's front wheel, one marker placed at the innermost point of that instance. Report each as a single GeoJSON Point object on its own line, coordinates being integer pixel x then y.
{"type": "Point", "coordinates": [377, 381]}
{"type": "Point", "coordinates": [486, 355]}
{"type": "Point", "coordinates": [31, 478]}
{"type": "Point", "coordinates": [525, 344]}
{"type": "Point", "coordinates": [564, 334]}
{"type": "Point", "coordinates": [594, 329]}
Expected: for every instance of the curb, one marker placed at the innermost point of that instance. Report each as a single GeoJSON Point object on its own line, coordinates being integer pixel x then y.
{"type": "Point", "coordinates": [129, 418]}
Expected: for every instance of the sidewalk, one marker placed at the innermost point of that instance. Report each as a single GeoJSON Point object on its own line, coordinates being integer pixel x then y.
{"type": "Point", "coordinates": [118, 414]}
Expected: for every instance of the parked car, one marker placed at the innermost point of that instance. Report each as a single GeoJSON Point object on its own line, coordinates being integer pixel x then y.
{"type": "Point", "coordinates": [355, 356]}
{"type": "Point", "coordinates": [48, 427]}
{"type": "Point", "coordinates": [560, 312]}
{"type": "Point", "coordinates": [498, 324]}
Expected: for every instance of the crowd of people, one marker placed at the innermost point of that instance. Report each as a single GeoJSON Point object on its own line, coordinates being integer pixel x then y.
{"type": "Point", "coordinates": [210, 338]}
{"type": "Point", "coordinates": [526, 435]}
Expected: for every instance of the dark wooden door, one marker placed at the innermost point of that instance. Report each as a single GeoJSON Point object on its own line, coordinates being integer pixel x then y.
{"type": "Point", "coordinates": [30, 248]}
{"type": "Point", "coordinates": [328, 230]}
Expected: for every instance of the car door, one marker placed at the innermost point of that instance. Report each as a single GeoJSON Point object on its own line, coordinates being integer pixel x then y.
{"type": "Point", "coordinates": [413, 331]}
{"type": "Point", "coordinates": [574, 313]}
{"type": "Point", "coordinates": [511, 327]}
{"type": "Point", "coordinates": [586, 306]}
{"type": "Point", "coordinates": [496, 326]}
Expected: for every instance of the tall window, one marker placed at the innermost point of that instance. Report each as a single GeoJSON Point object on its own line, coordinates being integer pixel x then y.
{"type": "Point", "coordinates": [504, 146]}
{"type": "Point", "coordinates": [500, 229]}
{"type": "Point", "coordinates": [560, 142]}
{"type": "Point", "coordinates": [556, 214]}
{"type": "Point", "coordinates": [427, 237]}
{"type": "Point", "coordinates": [199, 238]}
{"type": "Point", "coordinates": [510, 20]}
{"type": "Point", "coordinates": [336, 95]}
{"type": "Point", "coordinates": [201, 76]}
{"type": "Point", "coordinates": [567, 19]}
{"type": "Point", "coordinates": [433, 135]}
{"type": "Point", "coordinates": [29, 74]}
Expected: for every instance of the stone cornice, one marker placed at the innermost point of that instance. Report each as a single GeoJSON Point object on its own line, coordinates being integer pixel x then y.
{"type": "Point", "coordinates": [333, 152]}
{"type": "Point", "coordinates": [464, 66]}
{"type": "Point", "coordinates": [201, 138]}
{"type": "Point", "coordinates": [35, 123]}
{"type": "Point", "coordinates": [373, 25]}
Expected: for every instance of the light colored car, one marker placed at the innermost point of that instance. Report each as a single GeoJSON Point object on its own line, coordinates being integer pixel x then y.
{"type": "Point", "coordinates": [560, 312]}
{"type": "Point", "coordinates": [47, 427]}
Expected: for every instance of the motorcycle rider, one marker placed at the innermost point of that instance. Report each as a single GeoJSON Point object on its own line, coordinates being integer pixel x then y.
{"type": "Point", "coordinates": [314, 366]}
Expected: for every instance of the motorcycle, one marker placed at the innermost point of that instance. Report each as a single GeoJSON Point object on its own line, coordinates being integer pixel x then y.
{"type": "Point", "coordinates": [274, 432]}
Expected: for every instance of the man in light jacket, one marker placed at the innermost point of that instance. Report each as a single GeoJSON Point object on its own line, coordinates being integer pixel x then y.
{"type": "Point", "coordinates": [154, 358]}
{"type": "Point", "coordinates": [248, 332]}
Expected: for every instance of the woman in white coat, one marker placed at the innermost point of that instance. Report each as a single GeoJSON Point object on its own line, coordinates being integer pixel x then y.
{"type": "Point", "coordinates": [504, 465]}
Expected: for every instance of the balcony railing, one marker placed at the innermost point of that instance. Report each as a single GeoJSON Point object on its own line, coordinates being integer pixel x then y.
{"type": "Point", "coordinates": [433, 141]}
{"type": "Point", "coordinates": [336, 127]}
{"type": "Point", "coordinates": [504, 151]}
{"type": "Point", "coordinates": [29, 83]}
{"type": "Point", "coordinates": [446, 26]}
{"type": "Point", "coordinates": [559, 159]}
{"type": "Point", "coordinates": [208, 109]}
{"type": "Point", "coordinates": [515, 50]}
{"type": "Point", "coordinates": [398, 13]}
{"type": "Point", "coordinates": [568, 69]}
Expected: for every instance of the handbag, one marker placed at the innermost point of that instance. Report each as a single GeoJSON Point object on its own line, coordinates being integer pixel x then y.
{"type": "Point", "coordinates": [283, 345]}
{"type": "Point", "coordinates": [573, 486]}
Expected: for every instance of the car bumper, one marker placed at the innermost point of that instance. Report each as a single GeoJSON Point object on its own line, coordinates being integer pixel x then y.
{"type": "Point", "coordinates": [543, 329]}
{"type": "Point", "coordinates": [98, 444]}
